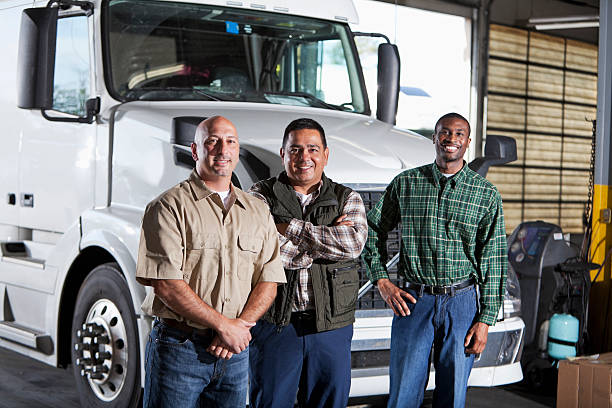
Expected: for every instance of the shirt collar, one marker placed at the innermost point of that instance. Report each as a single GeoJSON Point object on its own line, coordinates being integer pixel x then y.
{"type": "Point", "coordinates": [454, 180]}
{"type": "Point", "coordinates": [201, 190]}
{"type": "Point", "coordinates": [315, 193]}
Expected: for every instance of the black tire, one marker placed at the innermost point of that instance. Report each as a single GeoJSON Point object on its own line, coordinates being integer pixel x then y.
{"type": "Point", "coordinates": [104, 303]}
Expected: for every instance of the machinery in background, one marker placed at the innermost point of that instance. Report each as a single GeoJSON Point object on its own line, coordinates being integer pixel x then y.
{"type": "Point", "coordinates": [554, 285]}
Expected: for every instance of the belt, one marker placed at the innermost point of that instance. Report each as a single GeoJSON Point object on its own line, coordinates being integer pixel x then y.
{"type": "Point", "coordinates": [301, 316]}
{"type": "Point", "coordinates": [185, 328]}
{"type": "Point", "coordinates": [439, 290]}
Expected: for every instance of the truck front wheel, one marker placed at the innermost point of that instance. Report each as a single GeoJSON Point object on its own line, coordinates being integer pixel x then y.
{"type": "Point", "coordinates": [105, 352]}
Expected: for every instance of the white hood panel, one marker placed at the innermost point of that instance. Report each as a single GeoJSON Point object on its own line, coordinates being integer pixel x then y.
{"type": "Point", "coordinates": [362, 149]}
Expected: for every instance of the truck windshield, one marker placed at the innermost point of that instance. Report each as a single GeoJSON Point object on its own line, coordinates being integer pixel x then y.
{"type": "Point", "coordinates": [180, 51]}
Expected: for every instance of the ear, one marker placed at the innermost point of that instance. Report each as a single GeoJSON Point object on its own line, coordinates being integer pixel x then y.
{"type": "Point", "coordinates": [282, 154]}
{"type": "Point", "coordinates": [194, 152]}
{"type": "Point", "coordinates": [326, 154]}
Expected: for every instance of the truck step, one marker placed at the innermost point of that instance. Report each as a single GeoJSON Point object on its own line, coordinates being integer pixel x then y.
{"type": "Point", "coordinates": [15, 252]}
{"type": "Point", "coordinates": [30, 338]}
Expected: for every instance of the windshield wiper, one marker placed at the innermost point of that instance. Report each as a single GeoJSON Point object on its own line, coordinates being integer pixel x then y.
{"type": "Point", "coordinates": [167, 93]}
{"type": "Point", "coordinates": [206, 94]}
{"type": "Point", "coordinates": [311, 98]}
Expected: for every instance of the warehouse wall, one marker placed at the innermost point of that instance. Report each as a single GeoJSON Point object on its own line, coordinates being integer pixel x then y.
{"type": "Point", "coordinates": [543, 93]}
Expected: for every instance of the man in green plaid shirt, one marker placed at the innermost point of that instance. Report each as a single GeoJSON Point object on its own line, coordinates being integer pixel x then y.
{"type": "Point", "coordinates": [453, 242]}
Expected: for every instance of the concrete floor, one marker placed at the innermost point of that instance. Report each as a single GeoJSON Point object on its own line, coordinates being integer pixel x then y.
{"type": "Point", "coordinates": [26, 383]}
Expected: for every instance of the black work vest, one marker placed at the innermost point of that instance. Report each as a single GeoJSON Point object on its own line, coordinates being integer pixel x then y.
{"type": "Point", "coordinates": [335, 284]}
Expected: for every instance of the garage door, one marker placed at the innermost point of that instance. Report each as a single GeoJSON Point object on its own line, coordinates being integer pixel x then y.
{"type": "Point", "coordinates": [543, 93]}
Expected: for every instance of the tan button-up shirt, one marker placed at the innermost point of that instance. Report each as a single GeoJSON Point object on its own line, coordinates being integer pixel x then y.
{"type": "Point", "coordinates": [221, 253]}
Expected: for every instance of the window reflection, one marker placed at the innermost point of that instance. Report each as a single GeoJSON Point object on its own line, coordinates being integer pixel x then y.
{"type": "Point", "coordinates": [71, 81]}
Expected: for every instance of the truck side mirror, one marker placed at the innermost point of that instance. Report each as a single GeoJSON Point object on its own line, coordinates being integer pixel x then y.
{"type": "Point", "coordinates": [36, 58]}
{"type": "Point", "coordinates": [498, 150]}
{"type": "Point", "coordinates": [388, 83]}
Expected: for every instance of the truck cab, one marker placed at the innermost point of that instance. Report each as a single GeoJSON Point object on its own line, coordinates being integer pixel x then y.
{"type": "Point", "coordinates": [99, 107]}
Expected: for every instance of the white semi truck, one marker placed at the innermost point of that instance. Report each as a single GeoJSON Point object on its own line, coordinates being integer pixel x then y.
{"type": "Point", "coordinates": [98, 108]}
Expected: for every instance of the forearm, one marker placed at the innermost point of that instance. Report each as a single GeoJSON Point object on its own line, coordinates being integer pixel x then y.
{"type": "Point", "coordinates": [335, 243]}
{"type": "Point", "coordinates": [178, 296]}
{"type": "Point", "coordinates": [343, 240]}
{"type": "Point", "coordinates": [259, 301]}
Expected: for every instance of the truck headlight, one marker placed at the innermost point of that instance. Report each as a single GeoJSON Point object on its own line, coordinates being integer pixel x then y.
{"type": "Point", "coordinates": [512, 297]}
{"type": "Point", "coordinates": [509, 348]}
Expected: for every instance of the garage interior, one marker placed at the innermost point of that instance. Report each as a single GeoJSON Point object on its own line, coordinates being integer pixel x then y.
{"type": "Point", "coordinates": [541, 75]}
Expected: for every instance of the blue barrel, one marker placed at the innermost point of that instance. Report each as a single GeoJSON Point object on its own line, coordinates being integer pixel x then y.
{"type": "Point", "coordinates": [562, 336]}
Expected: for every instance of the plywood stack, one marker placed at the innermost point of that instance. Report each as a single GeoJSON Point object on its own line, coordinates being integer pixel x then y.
{"type": "Point", "coordinates": [543, 93]}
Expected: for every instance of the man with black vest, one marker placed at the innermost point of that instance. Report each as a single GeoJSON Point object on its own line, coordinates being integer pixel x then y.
{"type": "Point", "coordinates": [302, 345]}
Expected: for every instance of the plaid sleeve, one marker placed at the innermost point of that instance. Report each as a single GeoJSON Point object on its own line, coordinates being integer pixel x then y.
{"type": "Point", "coordinates": [382, 218]}
{"type": "Point", "coordinates": [492, 261]}
{"type": "Point", "coordinates": [335, 243]}
{"type": "Point", "coordinates": [291, 255]}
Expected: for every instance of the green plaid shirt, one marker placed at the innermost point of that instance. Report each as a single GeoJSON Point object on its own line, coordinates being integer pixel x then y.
{"type": "Point", "coordinates": [451, 229]}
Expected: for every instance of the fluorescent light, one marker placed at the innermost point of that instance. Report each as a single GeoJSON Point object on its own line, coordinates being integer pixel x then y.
{"type": "Point", "coordinates": [563, 23]}
{"type": "Point", "coordinates": [566, 26]}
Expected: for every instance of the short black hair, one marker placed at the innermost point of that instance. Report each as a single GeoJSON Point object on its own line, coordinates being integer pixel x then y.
{"type": "Point", "coordinates": [304, 123]}
{"type": "Point", "coordinates": [452, 115]}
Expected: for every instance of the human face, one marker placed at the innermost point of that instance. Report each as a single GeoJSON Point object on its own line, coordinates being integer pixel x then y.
{"type": "Point", "coordinates": [451, 140]}
{"type": "Point", "coordinates": [216, 150]}
{"type": "Point", "coordinates": [304, 158]}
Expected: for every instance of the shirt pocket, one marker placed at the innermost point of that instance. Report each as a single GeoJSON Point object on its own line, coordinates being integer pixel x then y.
{"type": "Point", "coordinates": [462, 230]}
{"type": "Point", "coordinates": [249, 247]}
{"type": "Point", "coordinates": [201, 255]}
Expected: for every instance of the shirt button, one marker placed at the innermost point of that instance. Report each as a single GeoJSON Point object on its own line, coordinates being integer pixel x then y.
{"type": "Point", "coordinates": [227, 299]}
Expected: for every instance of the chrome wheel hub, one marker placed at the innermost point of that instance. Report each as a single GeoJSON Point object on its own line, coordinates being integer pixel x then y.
{"type": "Point", "coordinates": [101, 350]}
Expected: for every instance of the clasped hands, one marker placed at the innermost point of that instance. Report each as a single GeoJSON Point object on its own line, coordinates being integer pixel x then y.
{"type": "Point", "coordinates": [233, 337]}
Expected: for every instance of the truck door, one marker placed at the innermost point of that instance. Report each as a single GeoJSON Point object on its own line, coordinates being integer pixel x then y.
{"type": "Point", "coordinates": [55, 184]}
{"type": "Point", "coordinates": [11, 120]}
{"type": "Point", "coordinates": [57, 158]}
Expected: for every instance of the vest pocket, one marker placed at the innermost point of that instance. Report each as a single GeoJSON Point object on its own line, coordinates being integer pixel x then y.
{"type": "Point", "coordinates": [344, 285]}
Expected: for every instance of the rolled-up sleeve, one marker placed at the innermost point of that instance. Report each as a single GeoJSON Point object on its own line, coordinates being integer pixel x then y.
{"type": "Point", "coordinates": [160, 251]}
{"type": "Point", "coordinates": [269, 267]}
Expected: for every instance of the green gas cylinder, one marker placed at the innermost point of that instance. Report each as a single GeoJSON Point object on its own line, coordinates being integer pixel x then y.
{"type": "Point", "coordinates": [562, 336]}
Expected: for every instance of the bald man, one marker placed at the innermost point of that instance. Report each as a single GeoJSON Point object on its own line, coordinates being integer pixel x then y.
{"type": "Point", "coordinates": [210, 252]}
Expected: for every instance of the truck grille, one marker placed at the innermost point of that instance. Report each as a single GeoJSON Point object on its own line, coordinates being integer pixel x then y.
{"type": "Point", "coordinates": [369, 359]}
{"type": "Point", "coordinates": [371, 299]}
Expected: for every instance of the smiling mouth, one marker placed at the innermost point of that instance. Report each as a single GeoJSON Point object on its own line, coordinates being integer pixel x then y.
{"type": "Point", "coordinates": [221, 162]}
{"type": "Point", "coordinates": [450, 148]}
{"type": "Point", "coordinates": [304, 167]}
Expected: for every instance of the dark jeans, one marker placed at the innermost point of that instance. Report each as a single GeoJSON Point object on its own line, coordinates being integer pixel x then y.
{"type": "Point", "coordinates": [318, 364]}
{"type": "Point", "coordinates": [181, 373]}
{"type": "Point", "coordinates": [442, 321]}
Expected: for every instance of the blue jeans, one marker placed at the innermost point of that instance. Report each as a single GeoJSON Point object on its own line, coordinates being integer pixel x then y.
{"type": "Point", "coordinates": [297, 360]}
{"type": "Point", "coordinates": [181, 373]}
{"type": "Point", "coordinates": [442, 321]}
